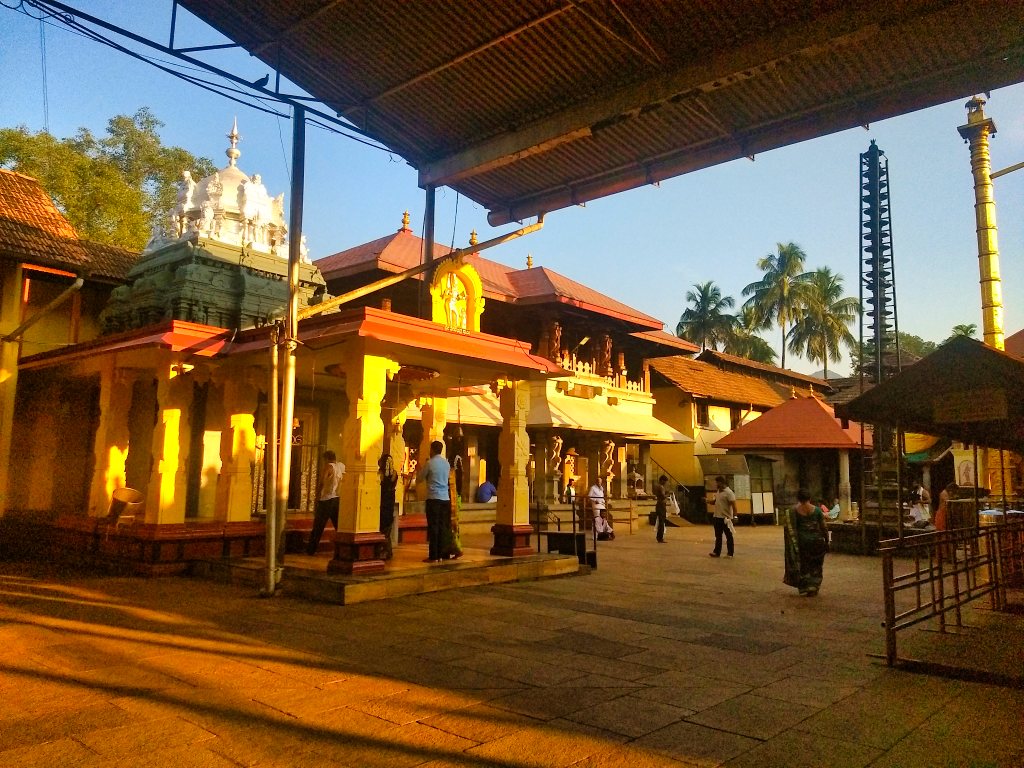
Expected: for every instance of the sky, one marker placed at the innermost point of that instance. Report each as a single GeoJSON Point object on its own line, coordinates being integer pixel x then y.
{"type": "Point", "coordinates": [646, 247]}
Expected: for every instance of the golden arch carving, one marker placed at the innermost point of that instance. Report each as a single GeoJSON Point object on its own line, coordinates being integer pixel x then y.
{"type": "Point", "coordinates": [457, 297]}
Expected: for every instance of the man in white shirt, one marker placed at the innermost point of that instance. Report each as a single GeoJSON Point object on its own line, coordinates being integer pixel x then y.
{"type": "Point", "coordinates": [725, 513]}
{"type": "Point", "coordinates": [327, 504]}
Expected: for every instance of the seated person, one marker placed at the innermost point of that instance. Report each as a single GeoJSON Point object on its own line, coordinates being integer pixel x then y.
{"type": "Point", "coordinates": [486, 492]}
{"type": "Point", "coordinates": [833, 512]}
{"type": "Point", "coordinates": [603, 527]}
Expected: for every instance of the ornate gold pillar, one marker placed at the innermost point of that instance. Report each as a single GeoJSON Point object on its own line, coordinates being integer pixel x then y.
{"type": "Point", "coordinates": [110, 445]}
{"type": "Point", "coordinates": [237, 449]}
{"type": "Point", "coordinates": [358, 541]}
{"type": "Point", "coordinates": [165, 498]}
{"type": "Point", "coordinates": [512, 529]}
{"type": "Point", "coordinates": [976, 133]}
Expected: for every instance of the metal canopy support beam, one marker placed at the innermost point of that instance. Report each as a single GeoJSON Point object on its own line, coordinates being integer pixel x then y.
{"type": "Point", "coordinates": [289, 342]}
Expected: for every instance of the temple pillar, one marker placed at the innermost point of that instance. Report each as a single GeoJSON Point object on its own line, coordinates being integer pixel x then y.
{"type": "Point", "coordinates": [358, 542]}
{"type": "Point", "coordinates": [472, 464]}
{"type": "Point", "coordinates": [396, 448]}
{"type": "Point", "coordinates": [237, 450]}
{"type": "Point", "coordinates": [111, 442]}
{"type": "Point", "coordinates": [165, 500]}
{"type": "Point", "coordinates": [512, 529]}
{"type": "Point", "coordinates": [10, 317]}
{"type": "Point", "coordinates": [434, 415]}
{"type": "Point", "coordinates": [844, 483]}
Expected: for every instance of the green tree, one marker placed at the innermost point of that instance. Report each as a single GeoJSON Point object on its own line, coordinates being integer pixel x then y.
{"type": "Point", "coordinates": [915, 345]}
{"type": "Point", "coordinates": [112, 189]}
{"type": "Point", "coordinates": [963, 329]}
{"type": "Point", "coordinates": [778, 296]}
{"type": "Point", "coordinates": [744, 341]}
{"type": "Point", "coordinates": [705, 322]}
{"type": "Point", "coordinates": [823, 327]}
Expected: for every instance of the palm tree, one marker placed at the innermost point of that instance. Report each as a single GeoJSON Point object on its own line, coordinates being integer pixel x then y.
{"type": "Point", "coordinates": [963, 329]}
{"type": "Point", "coordinates": [778, 296]}
{"type": "Point", "coordinates": [824, 325]}
{"type": "Point", "coordinates": [744, 341]}
{"type": "Point", "coordinates": [705, 322]}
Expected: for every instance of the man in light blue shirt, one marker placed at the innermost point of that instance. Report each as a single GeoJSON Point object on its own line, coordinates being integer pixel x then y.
{"type": "Point", "coordinates": [439, 506]}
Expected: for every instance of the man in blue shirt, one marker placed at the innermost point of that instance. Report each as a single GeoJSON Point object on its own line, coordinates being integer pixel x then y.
{"type": "Point", "coordinates": [485, 492]}
{"type": "Point", "coordinates": [439, 506]}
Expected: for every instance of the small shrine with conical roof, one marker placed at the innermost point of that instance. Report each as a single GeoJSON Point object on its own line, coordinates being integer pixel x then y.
{"type": "Point", "coordinates": [220, 259]}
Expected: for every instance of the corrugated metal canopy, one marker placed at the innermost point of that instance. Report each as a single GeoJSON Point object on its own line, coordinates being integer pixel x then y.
{"type": "Point", "coordinates": [528, 106]}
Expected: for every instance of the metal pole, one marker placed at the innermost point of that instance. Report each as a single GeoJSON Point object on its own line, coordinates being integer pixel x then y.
{"type": "Point", "coordinates": [270, 454]}
{"type": "Point", "coordinates": [429, 214]}
{"type": "Point", "coordinates": [291, 328]}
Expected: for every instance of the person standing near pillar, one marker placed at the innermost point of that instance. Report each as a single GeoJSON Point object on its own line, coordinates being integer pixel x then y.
{"type": "Point", "coordinates": [327, 504]}
{"type": "Point", "coordinates": [438, 504]}
{"type": "Point", "coordinates": [661, 508]}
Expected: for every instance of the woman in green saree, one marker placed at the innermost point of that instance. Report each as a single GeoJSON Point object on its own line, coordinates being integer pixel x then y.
{"type": "Point", "coordinates": [806, 545]}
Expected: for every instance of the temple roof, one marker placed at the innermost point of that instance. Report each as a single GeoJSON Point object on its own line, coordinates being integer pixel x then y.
{"type": "Point", "coordinates": [703, 379]}
{"type": "Point", "coordinates": [725, 360]}
{"type": "Point", "coordinates": [801, 422]}
{"type": "Point", "coordinates": [536, 285]}
{"type": "Point", "coordinates": [34, 231]}
{"type": "Point", "coordinates": [1014, 344]}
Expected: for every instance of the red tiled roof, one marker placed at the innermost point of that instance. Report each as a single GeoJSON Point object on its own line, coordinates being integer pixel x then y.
{"type": "Point", "coordinates": [109, 261]}
{"type": "Point", "coordinates": [802, 422]}
{"type": "Point", "coordinates": [703, 379]}
{"type": "Point", "coordinates": [714, 356]}
{"type": "Point", "coordinates": [1014, 344]}
{"type": "Point", "coordinates": [666, 339]}
{"type": "Point", "coordinates": [32, 229]}
{"type": "Point", "coordinates": [403, 250]}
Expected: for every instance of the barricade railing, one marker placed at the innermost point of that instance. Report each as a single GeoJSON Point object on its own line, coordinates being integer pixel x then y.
{"type": "Point", "coordinates": [931, 577]}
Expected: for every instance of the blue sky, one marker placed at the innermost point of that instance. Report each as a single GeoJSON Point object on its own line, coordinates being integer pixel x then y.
{"type": "Point", "coordinates": [646, 247]}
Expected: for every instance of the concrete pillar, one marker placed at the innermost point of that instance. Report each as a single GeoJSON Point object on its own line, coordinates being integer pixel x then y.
{"type": "Point", "coordinates": [396, 447]}
{"type": "Point", "coordinates": [512, 529]}
{"type": "Point", "coordinates": [110, 445]}
{"type": "Point", "coordinates": [473, 478]}
{"type": "Point", "coordinates": [358, 542]}
{"type": "Point", "coordinates": [237, 450]}
{"type": "Point", "coordinates": [10, 318]}
{"type": "Point", "coordinates": [165, 498]}
{"type": "Point", "coordinates": [844, 484]}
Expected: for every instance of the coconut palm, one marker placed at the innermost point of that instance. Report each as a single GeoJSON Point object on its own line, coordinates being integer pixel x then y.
{"type": "Point", "coordinates": [778, 296]}
{"type": "Point", "coordinates": [705, 321]}
{"type": "Point", "coordinates": [744, 341]}
{"type": "Point", "coordinates": [963, 329]}
{"type": "Point", "coordinates": [824, 323]}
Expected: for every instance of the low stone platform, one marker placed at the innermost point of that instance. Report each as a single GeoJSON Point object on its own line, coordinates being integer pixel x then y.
{"type": "Point", "coordinates": [306, 575]}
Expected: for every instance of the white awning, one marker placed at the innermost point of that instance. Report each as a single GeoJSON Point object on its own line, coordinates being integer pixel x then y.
{"type": "Point", "coordinates": [600, 416]}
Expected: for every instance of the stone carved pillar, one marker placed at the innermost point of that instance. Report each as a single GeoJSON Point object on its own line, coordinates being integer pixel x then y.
{"type": "Point", "coordinates": [844, 484]}
{"type": "Point", "coordinates": [358, 541]}
{"type": "Point", "coordinates": [110, 446]}
{"type": "Point", "coordinates": [237, 451]}
{"type": "Point", "coordinates": [165, 498]}
{"type": "Point", "coordinates": [512, 529]}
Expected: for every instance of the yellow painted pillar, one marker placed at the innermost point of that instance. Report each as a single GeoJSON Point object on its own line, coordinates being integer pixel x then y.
{"type": "Point", "coordinates": [512, 529]}
{"type": "Point", "coordinates": [358, 541]}
{"type": "Point", "coordinates": [237, 450]}
{"type": "Point", "coordinates": [10, 317]}
{"type": "Point", "coordinates": [110, 447]}
{"type": "Point", "coordinates": [396, 447]}
{"type": "Point", "coordinates": [976, 133]}
{"type": "Point", "coordinates": [165, 499]}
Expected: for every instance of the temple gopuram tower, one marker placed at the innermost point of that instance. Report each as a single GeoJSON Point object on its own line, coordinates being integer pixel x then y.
{"type": "Point", "coordinates": [221, 258]}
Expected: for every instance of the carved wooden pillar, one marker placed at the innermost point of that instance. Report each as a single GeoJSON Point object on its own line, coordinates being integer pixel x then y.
{"type": "Point", "coordinates": [358, 542]}
{"type": "Point", "coordinates": [237, 450]}
{"type": "Point", "coordinates": [165, 499]}
{"type": "Point", "coordinates": [512, 529]}
{"type": "Point", "coordinates": [110, 446]}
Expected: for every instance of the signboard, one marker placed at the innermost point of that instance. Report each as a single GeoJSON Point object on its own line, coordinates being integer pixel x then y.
{"type": "Point", "coordinates": [983, 404]}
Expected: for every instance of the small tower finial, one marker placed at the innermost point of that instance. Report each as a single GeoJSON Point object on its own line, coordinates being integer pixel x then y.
{"type": "Point", "coordinates": [472, 238]}
{"type": "Point", "coordinates": [233, 152]}
{"type": "Point", "coordinates": [792, 392]}
{"type": "Point", "coordinates": [405, 222]}
{"type": "Point", "coordinates": [529, 261]}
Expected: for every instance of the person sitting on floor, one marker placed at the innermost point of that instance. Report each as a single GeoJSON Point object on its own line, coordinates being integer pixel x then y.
{"type": "Point", "coordinates": [603, 527]}
{"type": "Point", "coordinates": [486, 492]}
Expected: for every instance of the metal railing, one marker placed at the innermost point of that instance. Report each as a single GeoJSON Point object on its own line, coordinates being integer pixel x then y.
{"type": "Point", "coordinates": [931, 577]}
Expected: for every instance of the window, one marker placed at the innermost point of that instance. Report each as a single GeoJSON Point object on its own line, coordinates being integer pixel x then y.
{"type": "Point", "coordinates": [701, 410]}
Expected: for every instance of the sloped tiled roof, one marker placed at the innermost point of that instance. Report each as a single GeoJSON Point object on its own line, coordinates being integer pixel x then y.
{"type": "Point", "coordinates": [802, 422]}
{"type": "Point", "coordinates": [109, 261]}
{"type": "Point", "coordinates": [703, 379]}
{"type": "Point", "coordinates": [1014, 344]}
{"type": "Point", "coordinates": [403, 250]}
{"type": "Point", "coordinates": [721, 358]}
{"type": "Point", "coordinates": [666, 340]}
{"type": "Point", "coordinates": [33, 230]}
